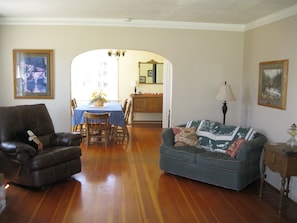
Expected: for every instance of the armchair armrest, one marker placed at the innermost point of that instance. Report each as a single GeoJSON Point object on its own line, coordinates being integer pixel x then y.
{"type": "Point", "coordinates": [14, 147]}
{"type": "Point", "coordinates": [66, 139]}
{"type": "Point", "coordinates": [17, 152]}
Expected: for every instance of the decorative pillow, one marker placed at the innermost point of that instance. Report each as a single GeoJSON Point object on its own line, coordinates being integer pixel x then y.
{"type": "Point", "coordinates": [185, 136]}
{"type": "Point", "coordinates": [35, 139]}
{"type": "Point", "coordinates": [45, 140]}
{"type": "Point", "coordinates": [28, 137]}
{"type": "Point", "coordinates": [234, 148]}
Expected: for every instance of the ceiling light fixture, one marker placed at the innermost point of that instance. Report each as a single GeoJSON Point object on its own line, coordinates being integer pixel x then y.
{"type": "Point", "coordinates": [116, 53]}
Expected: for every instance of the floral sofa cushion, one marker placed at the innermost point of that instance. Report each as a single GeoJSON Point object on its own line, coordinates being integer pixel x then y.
{"type": "Point", "coordinates": [215, 136]}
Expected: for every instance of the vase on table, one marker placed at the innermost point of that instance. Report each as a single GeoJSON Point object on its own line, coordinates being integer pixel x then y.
{"type": "Point", "coordinates": [98, 103]}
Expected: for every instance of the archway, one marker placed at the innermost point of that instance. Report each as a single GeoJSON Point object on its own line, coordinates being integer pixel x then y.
{"type": "Point", "coordinates": [99, 64]}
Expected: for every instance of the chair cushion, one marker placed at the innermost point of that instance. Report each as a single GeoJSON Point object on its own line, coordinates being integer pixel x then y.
{"type": "Point", "coordinates": [181, 153]}
{"type": "Point", "coordinates": [15, 119]}
{"type": "Point", "coordinates": [221, 161]}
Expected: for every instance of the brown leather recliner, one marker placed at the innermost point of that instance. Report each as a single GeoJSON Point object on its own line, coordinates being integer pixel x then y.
{"type": "Point", "coordinates": [25, 165]}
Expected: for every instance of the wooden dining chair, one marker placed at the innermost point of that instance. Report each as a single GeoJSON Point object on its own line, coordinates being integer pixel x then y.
{"type": "Point", "coordinates": [73, 105]}
{"type": "Point", "coordinates": [79, 129]}
{"type": "Point", "coordinates": [75, 128]}
{"type": "Point", "coordinates": [121, 133]}
{"type": "Point", "coordinates": [124, 106]}
{"type": "Point", "coordinates": [97, 128]}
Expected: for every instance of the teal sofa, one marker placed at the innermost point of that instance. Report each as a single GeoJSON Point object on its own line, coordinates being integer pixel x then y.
{"type": "Point", "coordinates": [208, 161]}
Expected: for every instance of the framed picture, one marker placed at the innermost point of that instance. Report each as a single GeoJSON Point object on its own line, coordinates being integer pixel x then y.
{"type": "Point", "coordinates": [33, 74]}
{"type": "Point", "coordinates": [142, 79]}
{"type": "Point", "coordinates": [273, 79]}
{"type": "Point", "coordinates": [149, 73]}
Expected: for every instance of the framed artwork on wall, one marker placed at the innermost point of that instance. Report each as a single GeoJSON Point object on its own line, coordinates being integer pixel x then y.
{"type": "Point", "coordinates": [149, 73]}
{"type": "Point", "coordinates": [273, 80]}
{"type": "Point", "coordinates": [142, 79]}
{"type": "Point", "coordinates": [33, 74]}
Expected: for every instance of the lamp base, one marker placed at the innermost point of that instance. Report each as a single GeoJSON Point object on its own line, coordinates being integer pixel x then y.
{"type": "Point", "coordinates": [224, 110]}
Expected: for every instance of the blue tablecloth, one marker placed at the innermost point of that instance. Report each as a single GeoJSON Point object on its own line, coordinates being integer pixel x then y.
{"type": "Point", "coordinates": [115, 110]}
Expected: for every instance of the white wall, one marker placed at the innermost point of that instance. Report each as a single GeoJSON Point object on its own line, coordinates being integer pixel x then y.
{"type": "Point", "coordinates": [201, 62]}
{"type": "Point", "coordinates": [129, 73]}
{"type": "Point", "coordinates": [276, 41]}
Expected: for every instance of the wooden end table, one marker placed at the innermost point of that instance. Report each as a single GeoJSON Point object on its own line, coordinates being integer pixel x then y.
{"type": "Point", "coordinates": [282, 159]}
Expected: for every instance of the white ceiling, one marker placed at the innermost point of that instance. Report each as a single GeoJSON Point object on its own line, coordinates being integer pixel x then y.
{"type": "Point", "coordinates": [190, 11]}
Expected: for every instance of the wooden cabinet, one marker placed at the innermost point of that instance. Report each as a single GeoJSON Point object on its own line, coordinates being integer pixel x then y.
{"type": "Point", "coordinates": [147, 109]}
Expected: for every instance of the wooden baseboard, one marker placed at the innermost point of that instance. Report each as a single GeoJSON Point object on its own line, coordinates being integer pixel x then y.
{"type": "Point", "coordinates": [147, 124]}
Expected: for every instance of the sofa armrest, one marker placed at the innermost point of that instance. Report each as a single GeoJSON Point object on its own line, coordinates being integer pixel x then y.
{"type": "Point", "coordinates": [66, 139]}
{"type": "Point", "coordinates": [168, 137]}
{"type": "Point", "coordinates": [250, 151]}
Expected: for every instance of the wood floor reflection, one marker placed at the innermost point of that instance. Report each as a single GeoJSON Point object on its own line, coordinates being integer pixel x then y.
{"type": "Point", "coordinates": [125, 184]}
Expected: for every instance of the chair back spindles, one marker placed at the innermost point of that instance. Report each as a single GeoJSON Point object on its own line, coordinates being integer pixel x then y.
{"type": "Point", "coordinates": [97, 127]}
{"type": "Point", "coordinates": [124, 106]}
{"type": "Point", "coordinates": [128, 111]}
{"type": "Point", "coordinates": [121, 133]}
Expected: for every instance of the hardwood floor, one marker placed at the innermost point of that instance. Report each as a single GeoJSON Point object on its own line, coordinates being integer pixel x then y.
{"type": "Point", "coordinates": [125, 184]}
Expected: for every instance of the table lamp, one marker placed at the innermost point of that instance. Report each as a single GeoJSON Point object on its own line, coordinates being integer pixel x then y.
{"type": "Point", "coordinates": [292, 132]}
{"type": "Point", "coordinates": [225, 94]}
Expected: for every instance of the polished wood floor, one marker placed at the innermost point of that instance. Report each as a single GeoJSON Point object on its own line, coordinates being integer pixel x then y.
{"type": "Point", "coordinates": [125, 184]}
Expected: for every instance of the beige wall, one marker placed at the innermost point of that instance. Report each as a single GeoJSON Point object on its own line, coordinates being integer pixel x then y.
{"type": "Point", "coordinates": [276, 41]}
{"type": "Point", "coordinates": [201, 62]}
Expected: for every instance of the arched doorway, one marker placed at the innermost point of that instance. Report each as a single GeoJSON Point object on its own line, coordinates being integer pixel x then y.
{"type": "Point", "coordinates": [96, 69]}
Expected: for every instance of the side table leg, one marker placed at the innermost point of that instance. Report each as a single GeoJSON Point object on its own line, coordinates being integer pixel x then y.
{"type": "Point", "coordinates": [282, 192]}
{"type": "Point", "coordinates": [288, 185]}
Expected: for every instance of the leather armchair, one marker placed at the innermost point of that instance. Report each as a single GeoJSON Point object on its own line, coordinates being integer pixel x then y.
{"type": "Point", "coordinates": [23, 164]}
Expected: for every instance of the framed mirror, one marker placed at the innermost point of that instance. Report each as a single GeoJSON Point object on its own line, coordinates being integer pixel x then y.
{"type": "Point", "coordinates": [150, 72]}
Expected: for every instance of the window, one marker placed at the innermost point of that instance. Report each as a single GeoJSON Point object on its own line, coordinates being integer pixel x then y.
{"type": "Point", "coordinates": [91, 71]}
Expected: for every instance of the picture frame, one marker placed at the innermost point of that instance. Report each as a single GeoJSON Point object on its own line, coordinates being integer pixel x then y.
{"type": "Point", "coordinates": [149, 73]}
{"type": "Point", "coordinates": [33, 74]}
{"type": "Point", "coordinates": [273, 80]}
{"type": "Point", "coordinates": [142, 79]}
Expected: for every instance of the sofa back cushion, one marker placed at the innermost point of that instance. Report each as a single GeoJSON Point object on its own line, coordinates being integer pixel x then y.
{"type": "Point", "coordinates": [16, 119]}
{"type": "Point", "coordinates": [216, 136]}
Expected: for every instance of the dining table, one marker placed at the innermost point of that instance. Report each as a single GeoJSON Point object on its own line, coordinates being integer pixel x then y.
{"type": "Point", "coordinates": [115, 110]}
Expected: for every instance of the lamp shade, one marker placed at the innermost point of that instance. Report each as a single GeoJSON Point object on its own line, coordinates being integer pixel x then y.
{"type": "Point", "coordinates": [225, 93]}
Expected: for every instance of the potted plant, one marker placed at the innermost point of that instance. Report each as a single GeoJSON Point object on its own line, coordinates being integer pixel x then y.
{"type": "Point", "coordinates": [98, 98]}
